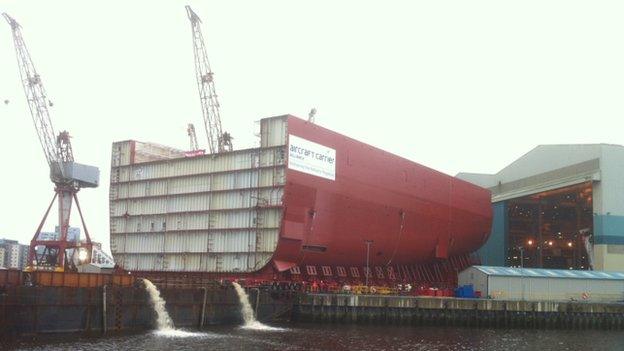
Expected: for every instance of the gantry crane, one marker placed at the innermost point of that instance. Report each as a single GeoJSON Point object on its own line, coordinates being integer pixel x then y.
{"type": "Point", "coordinates": [218, 141]}
{"type": "Point", "coordinates": [68, 176]}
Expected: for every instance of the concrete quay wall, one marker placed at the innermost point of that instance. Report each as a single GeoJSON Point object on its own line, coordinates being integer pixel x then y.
{"type": "Point", "coordinates": [32, 311]}
{"type": "Point", "coordinates": [457, 312]}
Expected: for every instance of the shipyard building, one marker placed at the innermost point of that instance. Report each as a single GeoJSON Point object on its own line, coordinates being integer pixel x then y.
{"type": "Point", "coordinates": [558, 207]}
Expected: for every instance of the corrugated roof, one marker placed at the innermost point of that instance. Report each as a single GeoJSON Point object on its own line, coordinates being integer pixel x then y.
{"type": "Point", "coordinates": [542, 159]}
{"type": "Point", "coordinates": [549, 273]}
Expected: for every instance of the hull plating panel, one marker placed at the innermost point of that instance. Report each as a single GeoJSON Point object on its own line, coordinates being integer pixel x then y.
{"type": "Point", "coordinates": [218, 213]}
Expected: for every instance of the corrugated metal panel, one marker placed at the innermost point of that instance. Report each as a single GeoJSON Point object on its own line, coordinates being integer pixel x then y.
{"type": "Point", "coordinates": [202, 183]}
{"type": "Point", "coordinates": [226, 181]}
{"type": "Point", "coordinates": [238, 180]}
{"type": "Point", "coordinates": [272, 157]}
{"type": "Point", "coordinates": [187, 242]}
{"type": "Point", "coordinates": [272, 197]}
{"type": "Point", "coordinates": [147, 152]}
{"type": "Point", "coordinates": [147, 235]}
{"type": "Point", "coordinates": [195, 262]}
{"type": "Point", "coordinates": [118, 191]}
{"type": "Point", "coordinates": [139, 224]}
{"type": "Point", "coordinates": [182, 262]}
{"type": "Point", "coordinates": [269, 177]}
{"type": "Point", "coordinates": [138, 243]}
{"type": "Point", "coordinates": [184, 203]}
{"type": "Point", "coordinates": [186, 185]}
{"type": "Point", "coordinates": [148, 188]}
{"type": "Point", "coordinates": [555, 289]}
{"type": "Point", "coordinates": [120, 153]}
{"type": "Point", "coordinates": [226, 162]}
{"type": "Point", "coordinates": [238, 219]}
{"type": "Point", "coordinates": [210, 164]}
{"type": "Point", "coordinates": [123, 172]}
{"type": "Point", "coordinates": [269, 218]}
{"type": "Point", "coordinates": [118, 208]}
{"type": "Point", "coordinates": [261, 218]}
{"type": "Point", "coordinates": [193, 221]}
{"type": "Point", "coordinates": [239, 199]}
{"type": "Point", "coordinates": [148, 171]}
{"type": "Point", "coordinates": [547, 285]}
{"type": "Point", "coordinates": [134, 262]}
{"type": "Point", "coordinates": [251, 246]}
{"type": "Point", "coordinates": [550, 273]}
{"type": "Point", "coordinates": [239, 241]}
{"type": "Point", "coordinates": [273, 131]}
{"type": "Point", "coordinates": [203, 213]}
{"type": "Point", "coordinates": [117, 243]}
{"type": "Point", "coordinates": [266, 240]}
{"type": "Point", "coordinates": [147, 206]}
{"type": "Point", "coordinates": [264, 218]}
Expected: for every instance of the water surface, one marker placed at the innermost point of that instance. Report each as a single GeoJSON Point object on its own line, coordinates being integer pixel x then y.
{"type": "Point", "coordinates": [347, 337]}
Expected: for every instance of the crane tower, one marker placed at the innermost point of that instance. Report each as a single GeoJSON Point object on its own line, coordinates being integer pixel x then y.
{"type": "Point", "coordinates": [190, 130]}
{"type": "Point", "coordinates": [218, 141]}
{"type": "Point", "coordinates": [68, 176]}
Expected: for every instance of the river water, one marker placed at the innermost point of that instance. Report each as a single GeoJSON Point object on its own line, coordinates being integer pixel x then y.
{"type": "Point", "coordinates": [346, 337]}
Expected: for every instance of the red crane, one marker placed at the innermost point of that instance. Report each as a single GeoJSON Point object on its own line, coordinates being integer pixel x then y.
{"type": "Point", "coordinates": [68, 176]}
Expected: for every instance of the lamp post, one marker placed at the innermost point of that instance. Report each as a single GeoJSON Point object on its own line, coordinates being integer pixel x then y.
{"type": "Point", "coordinates": [521, 248]}
{"type": "Point", "coordinates": [368, 244]}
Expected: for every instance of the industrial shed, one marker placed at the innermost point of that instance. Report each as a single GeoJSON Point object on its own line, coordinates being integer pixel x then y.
{"type": "Point", "coordinates": [557, 207]}
{"type": "Point", "coordinates": [533, 284]}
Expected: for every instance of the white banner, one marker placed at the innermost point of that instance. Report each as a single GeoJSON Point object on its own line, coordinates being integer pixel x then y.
{"type": "Point", "coordinates": [312, 158]}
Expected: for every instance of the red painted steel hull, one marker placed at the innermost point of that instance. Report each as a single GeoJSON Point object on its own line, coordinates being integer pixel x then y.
{"type": "Point", "coordinates": [411, 213]}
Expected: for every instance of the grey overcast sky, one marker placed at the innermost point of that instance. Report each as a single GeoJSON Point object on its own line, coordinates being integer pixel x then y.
{"type": "Point", "coordinates": [454, 85]}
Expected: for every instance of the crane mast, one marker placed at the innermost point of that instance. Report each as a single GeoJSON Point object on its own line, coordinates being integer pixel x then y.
{"type": "Point", "coordinates": [218, 141]}
{"type": "Point", "coordinates": [67, 175]}
{"type": "Point", "coordinates": [190, 130]}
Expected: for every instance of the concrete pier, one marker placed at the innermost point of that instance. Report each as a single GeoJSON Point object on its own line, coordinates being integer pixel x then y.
{"type": "Point", "coordinates": [332, 308]}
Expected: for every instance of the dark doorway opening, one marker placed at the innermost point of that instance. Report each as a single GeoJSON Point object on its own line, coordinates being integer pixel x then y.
{"type": "Point", "coordinates": [552, 229]}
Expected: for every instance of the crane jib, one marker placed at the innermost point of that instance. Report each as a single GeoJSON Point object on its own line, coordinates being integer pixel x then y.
{"type": "Point", "coordinates": [218, 141]}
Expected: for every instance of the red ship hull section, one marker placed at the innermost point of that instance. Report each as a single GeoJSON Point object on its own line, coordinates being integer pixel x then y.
{"type": "Point", "coordinates": [411, 214]}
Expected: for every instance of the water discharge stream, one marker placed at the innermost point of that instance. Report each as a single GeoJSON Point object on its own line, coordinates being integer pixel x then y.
{"type": "Point", "coordinates": [166, 328]}
{"type": "Point", "coordinates": [248, 315]}
{"type": "Point", "coordinates": [164, 323]}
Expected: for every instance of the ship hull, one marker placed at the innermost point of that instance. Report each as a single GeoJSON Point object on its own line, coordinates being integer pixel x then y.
{"type": "Point", "coordinates": [308, 202]}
